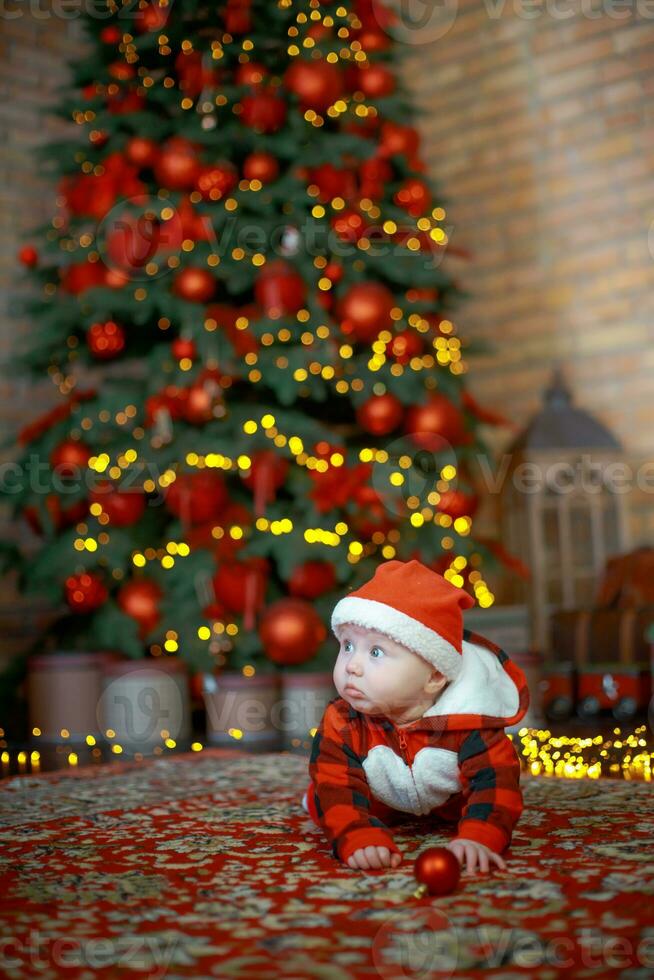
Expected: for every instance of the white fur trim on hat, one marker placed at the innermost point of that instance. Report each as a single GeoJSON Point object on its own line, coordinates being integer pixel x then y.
{"type": "Point", "coordinates": [403, 629]}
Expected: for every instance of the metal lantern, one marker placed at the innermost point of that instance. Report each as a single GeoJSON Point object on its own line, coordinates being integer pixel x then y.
{"type": "Point", "coordinates": [563, 511]}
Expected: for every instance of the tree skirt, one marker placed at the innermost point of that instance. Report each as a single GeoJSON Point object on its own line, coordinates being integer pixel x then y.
{"type": "Point", "coordinates": [205, 865]}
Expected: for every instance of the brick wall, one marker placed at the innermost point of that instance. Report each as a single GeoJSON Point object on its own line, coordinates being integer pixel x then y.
{"type": "Point", "coordinates": [32, 55]}
{"type": "Point", "coordinates": [540, 132]}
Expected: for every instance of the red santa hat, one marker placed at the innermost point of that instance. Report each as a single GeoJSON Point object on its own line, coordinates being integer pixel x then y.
{"type": "Point", "coordinates": [415, 607]}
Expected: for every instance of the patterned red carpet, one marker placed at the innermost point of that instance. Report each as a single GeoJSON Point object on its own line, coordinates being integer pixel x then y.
{"type": "Point", "coordinates": [204, 865]}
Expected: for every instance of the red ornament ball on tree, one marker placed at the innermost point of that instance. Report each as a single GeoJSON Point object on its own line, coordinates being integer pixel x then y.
{"type": "Point", "coordinates": [438, 869]}
{"type": "Point", "coordinates": [70, 457]}
{"type": "Point", "coordinates": [404, 346]}
{"type": "Point", "coordinates": [261, 166]}
{"type": "Point", "coordinates": [194, 284]}
{"type": "Point", "coordinates": [279, 289]}
{"type": "Point", "coordinates": [151, 18]}
{"type": "Point", "coordinates": [264, 111]}
{"type": "Point", "coordinates": [241, 586]}
{"type": "Point", "coordinates": [251, 73]}
{"type": "Point", "coordinates": [414, 196]}
{"type": "Point", "coordinates": [381, 414]}
{"type": "Point", "coordinates": [140, 600]}
{"type": "Point", "coordinates": [28, 256]}
{"type": "Point", "coordinates": [312, 579]}
{"type": "Point", "coordinates": [365, 309]}
{"type": "Point", "coordinates": [267, 474]}
{"type": "Point", "coordinates": [178, 166]}
{"type": "Point", "coordinates": [197, 497]}
{"type": "Point", "coordinates": [183, 347]}
{"type": "Point", "coordinates": [216, 181]}
{"type": "Point", "coordinates": [140, 151]}
{"type": "Point", "coordinates": [131, 241]}
{"type": "Point", "coordinates": [111, 34]}
{"type": "Point", "coordinates": [85, 592]}
{"type": "Point", "coordinates": [398, 139]}
{"type": "Point", "coordinates": [122, 507]}
{"type": "Point", "coordinates": [291, 631]}
{"type": "Point", "coordinates": [105, 340]}
{"type": "Point", "coordinates": [439, 417]}
{"type": "Point", "coordinates": [317, 84]}
{"type": "Point", "coordinates": [456, 503]}
{"type": "Point", "coordinates": [375, 81]}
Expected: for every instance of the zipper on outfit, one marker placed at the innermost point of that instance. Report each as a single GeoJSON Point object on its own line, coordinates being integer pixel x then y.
{"type": "Point", "coordinates": [403, 743]}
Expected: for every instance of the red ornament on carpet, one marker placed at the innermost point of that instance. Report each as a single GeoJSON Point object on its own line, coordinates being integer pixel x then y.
{"type": "Point", "coordinates": [381, 414]}
{"type": "Point", "coordinates": [291, 631]}
{"type": "Point", "coordinates": [265, 111]}
{"type": "Point", "coordinates": [197, 497]}
{"type": "Point", "coordinates": [122, 507]}
{"type": "Point", "coordinates": [317, 84]}
{"type": "Point", "coordinates": [140, 151]}
{"type": "Point", "coordinates": [140, 600]}
{"type": "Point", "coordinates": [404, 346]}
{"type": "Point", "coordinates": [28, 256]}
{"type": "Point", "coordinates": [105, 340]}
{"type": "Point", "coordinates": [365, 309]}
{"type": "Point", "coordinates": [280, 289]}
{"type": "Point", "coordinates": [178, 166]}
{"type": "Point", "coordinates": [216, 181]}
{"type": "Point", "coordinates": [312, 579]}
{"type": "Point", "coordinates": [438, 871]}
{"type": "Point", "coordinates": [85, 592]}
{"type": "Point", "coordinates": [70, 458]}
{"type": "Point", "coordinates": [439, 417]}
{"type": "Point", "coordinates": [194, 284]}
{"type": "Point", "coordinates": [261, 166]}
{"type": "Point", "coordinates": [267, 474]}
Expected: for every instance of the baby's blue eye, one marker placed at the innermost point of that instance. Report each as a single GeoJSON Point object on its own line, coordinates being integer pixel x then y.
{"type": "Point", "coordinates": [347, 646]}
{"type": "Point", "coordinates": [376, 653]}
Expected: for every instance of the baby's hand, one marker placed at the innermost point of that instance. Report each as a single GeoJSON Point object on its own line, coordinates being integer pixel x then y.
{"type": "Point", "coordinates": [471, 852]}
{"type": "Point", "coordinates": [373, 857]}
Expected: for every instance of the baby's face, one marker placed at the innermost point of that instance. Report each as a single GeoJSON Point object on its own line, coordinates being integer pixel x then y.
{"type": "Point", "coordinates": [376, 675]}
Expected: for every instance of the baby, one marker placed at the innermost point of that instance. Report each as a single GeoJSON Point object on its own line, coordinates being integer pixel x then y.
{"type": "Point", "coordinates": [418, 727]}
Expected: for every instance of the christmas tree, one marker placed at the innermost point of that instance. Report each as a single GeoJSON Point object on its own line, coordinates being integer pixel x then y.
{"type": "Point", "coordinates": [246, 258]}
